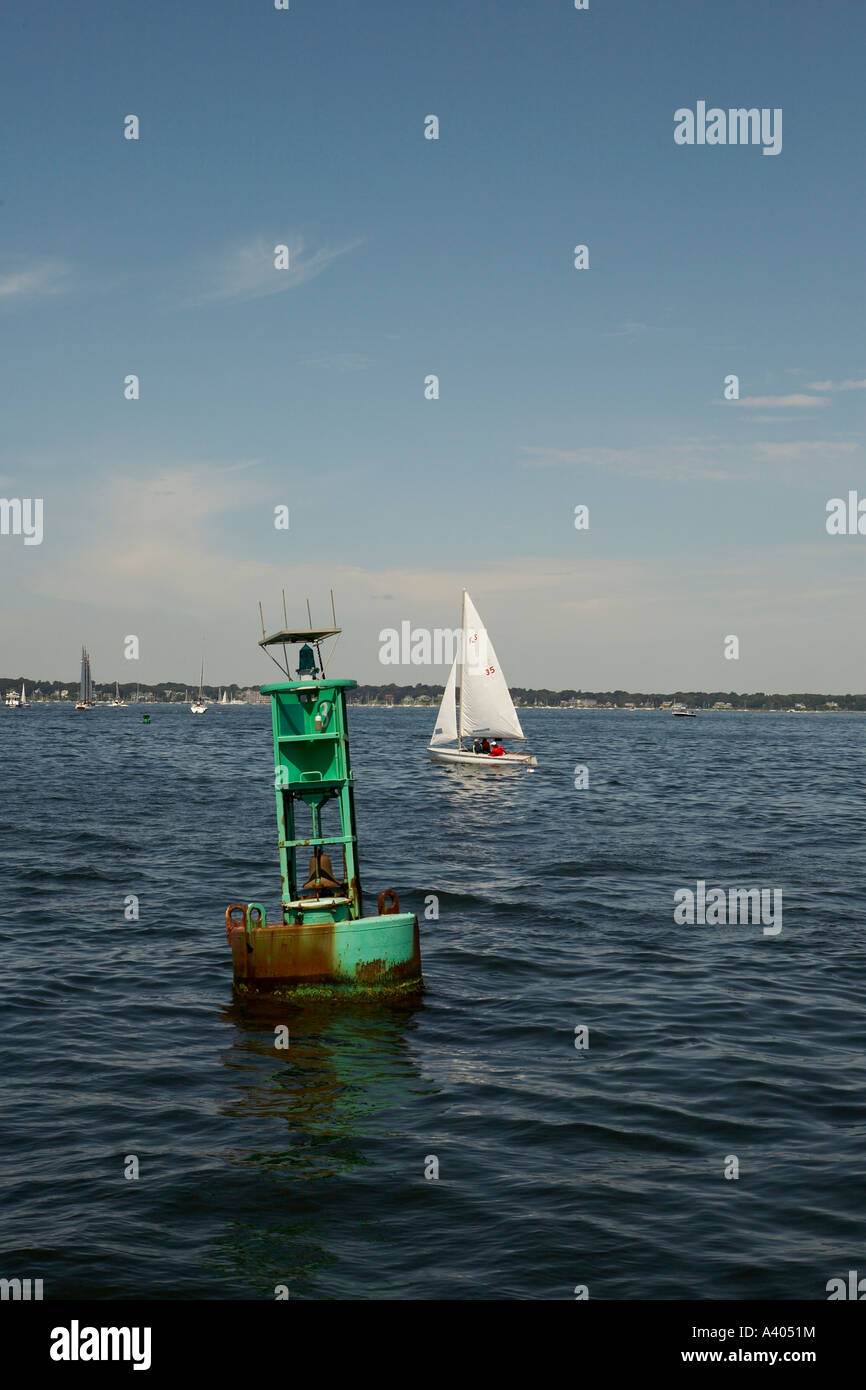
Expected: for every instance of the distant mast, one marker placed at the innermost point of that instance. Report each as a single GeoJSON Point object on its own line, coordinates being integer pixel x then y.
{"type": "Point", "coordinates": [198, 705]}
{"type": "Point", "coordinates": [85, 690]}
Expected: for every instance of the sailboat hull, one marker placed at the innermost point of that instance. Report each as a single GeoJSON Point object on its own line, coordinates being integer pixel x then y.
{"type": "Point", "coordinates": [481, 762]}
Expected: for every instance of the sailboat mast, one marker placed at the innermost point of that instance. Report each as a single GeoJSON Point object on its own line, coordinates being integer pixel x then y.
{"type": "Point", "coordinates": [462, 673]}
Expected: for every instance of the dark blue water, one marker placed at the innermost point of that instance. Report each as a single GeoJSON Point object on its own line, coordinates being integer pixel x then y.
{"type": "Point", "coordinates": [557, 1166]}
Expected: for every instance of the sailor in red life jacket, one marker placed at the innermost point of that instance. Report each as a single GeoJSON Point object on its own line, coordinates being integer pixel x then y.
{"type": "Point", "coordinates": [497, 750]}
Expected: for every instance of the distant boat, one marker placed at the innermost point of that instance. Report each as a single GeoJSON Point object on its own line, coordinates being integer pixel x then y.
{"type": "Point", "coordinates": [224, 698]}
{"type": "Point", "coordinates": [117, 702]}
{"type": "Point", "coordinates": [13, 700]}
{"type": "Point", "coordinates": [680, 712]}
{"type": "Point", "coordinates": [485, 709]}
{"type": "Point", "coordinates": [198, 705]}
{"type": "Point", "coordinates": [85, 695]}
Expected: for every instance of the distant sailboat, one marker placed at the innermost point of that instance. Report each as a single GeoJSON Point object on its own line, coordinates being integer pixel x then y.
{"type": "Point", "coordinates": [85, 694]}
{"type": "Point", "coordinates": [117, 702]}
{"type": "Point", "coordinates": [23, 696]}
{"type": "Point", "coordinates": [224, 698]}
{"type": "Point", "coordinates": [198, 705]}
{"type": "Point", "coordinates": [485, 708]}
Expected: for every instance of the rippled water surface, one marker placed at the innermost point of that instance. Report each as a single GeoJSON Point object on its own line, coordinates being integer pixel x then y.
{"type": "Point", "coordinates": [557, 1166]}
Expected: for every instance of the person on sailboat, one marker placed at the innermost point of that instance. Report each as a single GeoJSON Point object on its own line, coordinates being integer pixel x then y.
{"type": "Point", "coordinates": [476, 747]}
{"type": "Point", "coordinates": [497, 750]}
{"type": "Point", "coordinates": [485, 745]}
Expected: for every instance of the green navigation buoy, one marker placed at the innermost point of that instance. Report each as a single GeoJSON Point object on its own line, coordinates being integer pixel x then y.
{"type": "Point", "coordinates": [323, 944]}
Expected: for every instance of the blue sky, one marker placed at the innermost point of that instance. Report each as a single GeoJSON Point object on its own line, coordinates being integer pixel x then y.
{"type": "Point", "coordinates": [452, 257]}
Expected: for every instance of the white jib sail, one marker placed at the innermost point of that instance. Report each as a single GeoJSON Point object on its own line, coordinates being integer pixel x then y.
{"type": "Point", "coordinates": [446, 719]}
{"type": "Point", "coordinates": [487, 706]}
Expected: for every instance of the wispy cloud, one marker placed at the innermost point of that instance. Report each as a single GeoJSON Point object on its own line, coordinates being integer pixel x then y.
{"type": "Point", "coordinates": [678, 461]}
{"type": "Point", "coordinates": [148, 525]}
{"type": "Point", "coordinates": [796, 402]}
{"type": "Point", "coordinates": [247, 271]}
{"type": "Point", "coordinates": [798, 449]}
{"type": "Point", "coordinates": [838, 385]}
{"type": "Point", "coordinates": [48, 277]}
{"type": "Point", "coordinates": [686, 460]}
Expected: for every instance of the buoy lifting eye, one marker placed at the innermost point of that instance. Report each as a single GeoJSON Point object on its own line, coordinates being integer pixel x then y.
{"type": "Point", "coordinates": [233, 919]}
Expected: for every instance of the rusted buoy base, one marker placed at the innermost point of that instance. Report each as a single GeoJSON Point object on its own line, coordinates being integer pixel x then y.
{"type": "Point", "coordinates": [368, 958]}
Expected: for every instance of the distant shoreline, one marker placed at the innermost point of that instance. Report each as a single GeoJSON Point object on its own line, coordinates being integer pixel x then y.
{"type": "Point", "coordinates": [429, 696]}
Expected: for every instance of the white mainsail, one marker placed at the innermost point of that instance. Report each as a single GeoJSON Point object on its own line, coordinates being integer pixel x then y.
{"type": "Point", "coordinates": [446, 720]}
{"type": "Point", "coordinates": [486, 706]}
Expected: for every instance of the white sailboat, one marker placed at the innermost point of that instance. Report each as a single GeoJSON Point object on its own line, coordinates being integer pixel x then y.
{"type": "Point", "coordinates": [117, 703]}
{"type": "Point", "coordinates": [198, 705]}
{"type": "Point", "coordinates": [85, 695]}
{"type": "Point", "coordinates": [23, 701]}
{"type": "Point", "coordinates": [485, 709]}
{"type": "Point", "coordinates": [224, 698]}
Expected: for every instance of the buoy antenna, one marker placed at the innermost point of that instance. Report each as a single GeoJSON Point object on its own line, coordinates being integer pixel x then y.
{"type": "Point", "coordinates": [336, 639]}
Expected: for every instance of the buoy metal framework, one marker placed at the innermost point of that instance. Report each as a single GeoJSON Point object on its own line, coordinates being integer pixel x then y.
{"type": "Point", "coordinates": [323, 944]}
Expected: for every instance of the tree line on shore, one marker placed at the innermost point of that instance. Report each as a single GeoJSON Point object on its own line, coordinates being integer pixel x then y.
{"type": "Point", "coordinates": [618, 699]}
